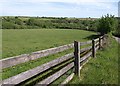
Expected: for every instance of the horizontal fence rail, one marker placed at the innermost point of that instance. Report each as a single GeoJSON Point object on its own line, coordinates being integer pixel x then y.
{"type": "Point", "coordinates": [79, 62]}
{"type": "Point", "coordinates": [57, 74]}
{"type": "Point", "coordinates": [86, 49]}
{"type": "Point", "coordinates": [96, 40]}
{"type": "Point", "coordinates": [85, 57]}
{"type": "Point", "coordinates": [32, 72]}
{"type": "Point", "coordinates": [67, 79]}
{"type": "Point", "coordinates": [8, 62]}
{"type": "Point", "coordinates": [85, 43]}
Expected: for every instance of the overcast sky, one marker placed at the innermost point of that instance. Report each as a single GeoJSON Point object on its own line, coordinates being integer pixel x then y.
{"type": "Point", "coordinates": [58, 8]}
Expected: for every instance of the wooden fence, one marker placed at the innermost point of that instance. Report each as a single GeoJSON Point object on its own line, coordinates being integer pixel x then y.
{"type": "Point", "coordinates": [79, 57]}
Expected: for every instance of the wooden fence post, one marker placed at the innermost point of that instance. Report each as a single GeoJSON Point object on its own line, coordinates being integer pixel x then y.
{"type": "Point", "coordinates": [93, 49]}
{"type": "Point", "coordinates": [103, 40]}
{"type": "Point", "coordinates": [99, 42]}
{"type": "Point", "coordinates": [77, 57]}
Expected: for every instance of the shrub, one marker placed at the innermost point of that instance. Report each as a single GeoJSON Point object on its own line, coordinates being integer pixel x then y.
{"type": "Point", "coordinates": [107, 24]}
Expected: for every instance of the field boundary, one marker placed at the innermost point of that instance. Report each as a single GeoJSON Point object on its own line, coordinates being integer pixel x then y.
{"type": "Point", "coordinates": [15, 60]}
{"type": "Point", "coordinates": [11, 61]}
{"type": "Point", "coordinates": [79, 57]}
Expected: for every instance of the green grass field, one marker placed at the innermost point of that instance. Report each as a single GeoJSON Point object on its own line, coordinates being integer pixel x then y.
{"type": "Point", "coordinates": [96, 71]}
{"type": "Point", "coordinates": [103, 69]}
{"type": "Point", "coordinates": [16, 42]}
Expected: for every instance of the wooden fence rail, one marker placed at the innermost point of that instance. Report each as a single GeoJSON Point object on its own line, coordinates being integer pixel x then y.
{"type": "Point", "coordinates": [76, 56]}
{"type": "Point", "coordinates": [12, 61]}
{"type": "Point", "coordinates": [8, 62]}
{"type": "Point", "coordinates": [32, 72]}
{"type": "Point", "coordinates": [53, 77]}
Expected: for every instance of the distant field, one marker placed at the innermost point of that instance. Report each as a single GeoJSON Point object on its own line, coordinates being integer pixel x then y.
{"type": "Point", "coordinates": [23, 41]}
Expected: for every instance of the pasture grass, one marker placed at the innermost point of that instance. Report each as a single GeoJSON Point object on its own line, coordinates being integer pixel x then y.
{"type": "Point", "coordinates": [23, 41]}
{"type": "Point", "coordinates": [103, 69]}
{"type": "Point", "coordinates": [17, 42]}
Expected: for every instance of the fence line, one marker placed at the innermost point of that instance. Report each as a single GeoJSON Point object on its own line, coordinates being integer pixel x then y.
{"type": "Point", "coordinates": [78, 59]}
{"type": "Point", "coordinates": [8, 62]}
{"type": "Point", "coordinates": [12, 61]}
{"type": "Point", "coordinates": [32, 72]}
{"type": "Point", "coordinates": [53, 77]}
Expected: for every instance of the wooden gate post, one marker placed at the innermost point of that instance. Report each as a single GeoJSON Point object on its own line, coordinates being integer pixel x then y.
{"type": "Point", "coordinates": [93, 49]}
{"type": "Point", "coordinates": [77, 57]}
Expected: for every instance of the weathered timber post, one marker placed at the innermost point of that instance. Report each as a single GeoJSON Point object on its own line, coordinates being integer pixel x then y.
{"type": "Point", "coordinates": [93, 49]}
{"type": "Point", "coordinates": [104, 40]}
{"type": "Point", "coordinates": [99, 42]}
{"type": "Point", "coordinates": [77, 57]}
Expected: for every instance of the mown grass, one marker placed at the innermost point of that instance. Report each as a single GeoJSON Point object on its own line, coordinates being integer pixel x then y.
{"type": "Point", "coordinates": [16, 42]}
{"type": "Point", "coordinates": [103, 69]}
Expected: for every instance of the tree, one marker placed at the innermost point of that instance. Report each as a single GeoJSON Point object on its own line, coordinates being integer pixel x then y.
{"type": "Point", "coordinates": [107, 24]}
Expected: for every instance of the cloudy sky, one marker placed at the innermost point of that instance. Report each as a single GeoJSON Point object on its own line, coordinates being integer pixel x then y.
{"type": "Point", "coordinates": [58, 8]}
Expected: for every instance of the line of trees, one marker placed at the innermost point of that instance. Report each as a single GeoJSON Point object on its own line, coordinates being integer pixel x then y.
{"type": "Point", "coordinates": [48, 22]}
{"type": "Point", "coordinates": [106, 24]}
